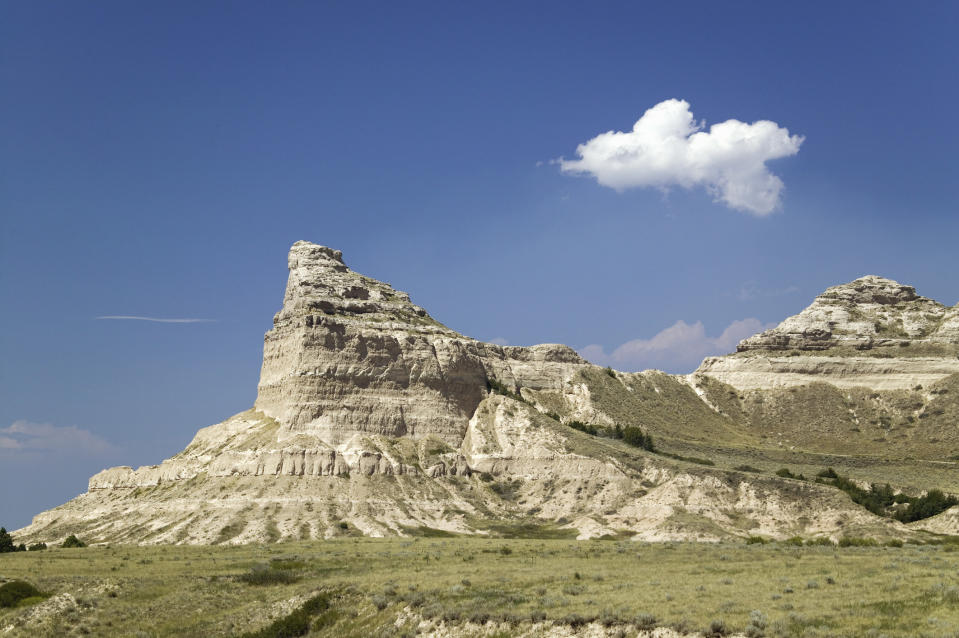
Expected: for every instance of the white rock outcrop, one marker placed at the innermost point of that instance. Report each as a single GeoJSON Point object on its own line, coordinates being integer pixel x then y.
{"type": "Point", "coordinates": [872, 332]}
{"type": "Point", "coordinates": [350, 355]}
{"type": "Point", "coordinates": [372, 417]}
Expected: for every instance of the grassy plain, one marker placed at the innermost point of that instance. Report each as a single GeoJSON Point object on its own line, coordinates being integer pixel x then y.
{"type": "Point", "coordinates": [475, 586]}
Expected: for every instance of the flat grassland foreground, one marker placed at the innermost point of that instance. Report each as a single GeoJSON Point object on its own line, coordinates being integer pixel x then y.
{"type": "Point", "coordinates": [488, 587]}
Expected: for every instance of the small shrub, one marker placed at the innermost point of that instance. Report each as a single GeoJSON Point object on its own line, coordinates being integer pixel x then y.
{"type": "Point", "coordinates": [497, 387]}
{"type": "Point", "coordinates": [12, 593]}
{"type": "Point", "coordinates": [747, 468]}
{"type": "Point", "coordinates": [36, 547]}
{"type": "Point", "coordinates": [852, 541]}
{"type": "Point", "coordinates": [717, 629]}
{"type": "Point", "coordinates": [758, 622]}
{"type": "Point", "coordinates": [688, 459]}
{"type": "Point", "coordinates": [479, 617]}
{"type": "Point", "coordinates": [262, 575]}
{"type": "Point", "coordinates": [637, 438]}
{"type": "Point", "coordinates": [586, 428]}
{"type": "Point", "coordinates": [646, 621]}
{"type": "Point", "coordinates": [785, 473]}
{"type": "Point", "coordinates": [574, 620]}
{"type": "Point", "coordinates": [823, 541]}
{"type": "Point", "coordinates": [72, 541]}
{"type": "Point", "coordinates": [297, 623]}
{"type": "Point", "coordinates": [756, 540]}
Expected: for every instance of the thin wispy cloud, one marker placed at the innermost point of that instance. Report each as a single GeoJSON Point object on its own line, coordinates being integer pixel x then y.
{"type": "Point", "coordinates": [679, 348]}
{"type": "Point", "coordinates": [749, 291]}
{"type": "Point", "coordinates": [668, 147]}
{"type": "Point", "coordinates": [25, 437]}
{"type": "Point", "coordinates": [155, 319]}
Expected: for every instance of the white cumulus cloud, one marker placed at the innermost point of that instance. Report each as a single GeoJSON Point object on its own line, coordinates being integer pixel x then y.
{"type": "Point", "coordinates": [24, 436]}
{"type": "Point", "coordinates": [668, 147]}
{"type": "Point", "coordinates": [679, 348]}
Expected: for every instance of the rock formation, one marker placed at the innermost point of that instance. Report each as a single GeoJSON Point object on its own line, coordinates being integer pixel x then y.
{"type": "Point", "coordinates": [371, 417]}
{"type": "Point", "coordinates": [349, 356]}
{"type": "Point", "coordinates": [872, 332]}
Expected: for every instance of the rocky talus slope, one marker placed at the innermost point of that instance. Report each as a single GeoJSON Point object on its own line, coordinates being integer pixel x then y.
{"type": "Point", "coordinates": [373, 418]}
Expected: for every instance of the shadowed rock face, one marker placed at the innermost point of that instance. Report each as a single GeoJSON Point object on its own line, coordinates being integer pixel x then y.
{"type": "Point", "coordinates": [350, 355]}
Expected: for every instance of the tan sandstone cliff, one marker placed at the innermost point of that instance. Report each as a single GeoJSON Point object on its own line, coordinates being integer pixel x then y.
{"type": "Point", "coordinates": [371, 417]}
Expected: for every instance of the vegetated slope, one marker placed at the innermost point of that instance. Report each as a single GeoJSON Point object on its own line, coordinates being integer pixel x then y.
{"type": "Point", "coordinates": [372, 418]}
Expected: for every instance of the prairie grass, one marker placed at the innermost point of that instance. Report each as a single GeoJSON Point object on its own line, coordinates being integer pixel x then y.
{"type": "Point", "coordinates": [374, 584]}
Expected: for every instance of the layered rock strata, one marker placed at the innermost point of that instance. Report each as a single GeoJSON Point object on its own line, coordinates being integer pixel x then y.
{"type": "Point", "coordinates": [349, 355]}
{"type": "Point", "coordinates": [372, 417]}
{"type": "Point", "coordinates": [872, 332]}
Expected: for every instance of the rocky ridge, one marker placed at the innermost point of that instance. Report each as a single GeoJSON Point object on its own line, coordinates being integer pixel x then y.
{"type": "Point", "coordinates": [349, 356]}
{"type": "Point", "coordinates": [372, 417]}
{"type": "Point", "coordinates": [872, 332]}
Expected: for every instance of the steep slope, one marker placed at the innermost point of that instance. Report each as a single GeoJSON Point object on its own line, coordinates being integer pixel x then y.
{"type": "Point", "coordinates": [371, 417]}
{"type": "Point", "coordinates": [350, 356]}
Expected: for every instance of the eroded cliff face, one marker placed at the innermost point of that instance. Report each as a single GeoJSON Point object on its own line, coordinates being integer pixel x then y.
{"type": "Point", "coordinates": [349, 355]}
{"type": "Point", "coordinates": [872, 332]}
{"type": "Point", "coordinates": [372, 417]}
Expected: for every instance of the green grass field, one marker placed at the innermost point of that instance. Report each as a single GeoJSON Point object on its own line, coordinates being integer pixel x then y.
{"type": "Point", "coordinates": [386, 587]}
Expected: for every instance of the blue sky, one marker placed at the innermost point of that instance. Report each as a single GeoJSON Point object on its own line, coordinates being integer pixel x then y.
{"type": "Point", "coordinates": [158, 160]}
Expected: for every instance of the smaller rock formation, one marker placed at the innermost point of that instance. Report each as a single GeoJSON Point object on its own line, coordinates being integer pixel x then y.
{"type": "Point", "coordinates": [868, 312]}
{"type": "Point", "coordinates": [872, 332]}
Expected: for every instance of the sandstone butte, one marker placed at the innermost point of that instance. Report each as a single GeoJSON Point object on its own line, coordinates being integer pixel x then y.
{"type": "Point", "coordinates": [373, 418]}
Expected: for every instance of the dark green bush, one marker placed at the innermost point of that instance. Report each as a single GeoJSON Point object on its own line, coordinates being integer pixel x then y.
{"type": "Point", "coordinates": [785, 473]}
{"type": "Point", "coordinates": [36, 547]}
{"type": "Point", "coordinates": [688, 459]}
{"type": "Point", "coordinates": [583, 427]}
{"type": "Point", "coordinates": [6, 542]}
{"type": "Point", "coordinates": [747, 468]}
{"type": "Point", "coordinates": [820, 541]}
{"type": "Point", "coordinates": [882, 500]}
{"type": "Point", "coordinates": [297, 623]}
{"type": "Point", "coordinates": [72, 541]}
{"type": "Point", "coordinates": [756, 540]}
{"type": "Point", "coordinates": [16, 590]}
{"type": "Point", "coordinates": [637, 438]}
{"type": "Point", "coordinates": [497, 387]}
